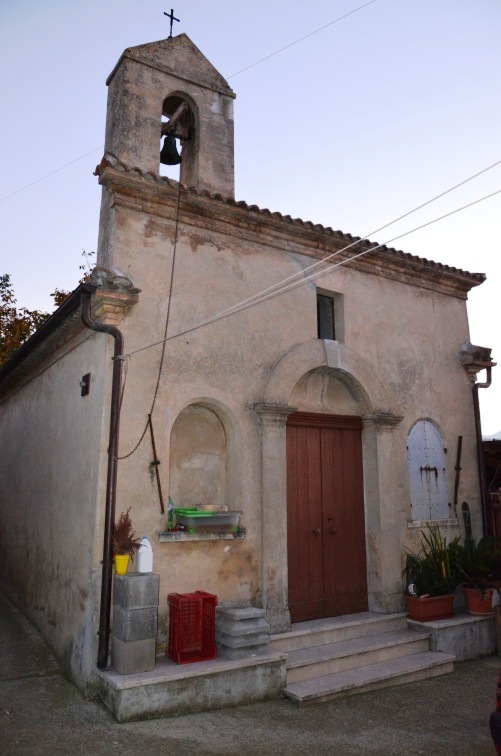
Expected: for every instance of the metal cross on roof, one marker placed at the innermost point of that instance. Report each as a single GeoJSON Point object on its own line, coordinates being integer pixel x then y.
{"type": "Point", "coordinates": [172, 19]}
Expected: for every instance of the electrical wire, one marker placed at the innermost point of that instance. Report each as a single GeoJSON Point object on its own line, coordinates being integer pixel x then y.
{"type": "Point", "coordinates": [301, 39]}
{"type": "Point", "coordinates": [267, 57]}
{"type": "Point", "coordinates": [165, 339]}
{"type": "Point", "coordinates": [51, 173]}
{"type": "Point", "coordinates": [358, 240]}
{"type": "Point", "coordinates": [240, 307]}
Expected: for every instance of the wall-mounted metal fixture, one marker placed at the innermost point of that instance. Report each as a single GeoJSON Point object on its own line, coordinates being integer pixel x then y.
{"type": "Point", "coordinates": [85, 385]}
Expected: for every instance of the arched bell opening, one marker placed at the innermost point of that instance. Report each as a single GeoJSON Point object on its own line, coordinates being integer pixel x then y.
{"type": "Point", "coordinates": [178, 136]}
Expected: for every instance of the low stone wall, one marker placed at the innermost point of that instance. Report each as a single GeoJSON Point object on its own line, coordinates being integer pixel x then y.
{"type": "Point", "coordinates": [466, 636]}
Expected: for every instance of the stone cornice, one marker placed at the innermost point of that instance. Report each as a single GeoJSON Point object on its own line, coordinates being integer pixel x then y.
{"type": "Point", "coordinates": [158, 195]}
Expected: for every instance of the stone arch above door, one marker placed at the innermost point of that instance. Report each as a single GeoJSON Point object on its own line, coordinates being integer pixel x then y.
{"type": "Point", "coordinates": [327, 390]}
{"type": "Point", "coordinates": [351, 385]}
{"type": "Point", "coordinates": [336, 375]}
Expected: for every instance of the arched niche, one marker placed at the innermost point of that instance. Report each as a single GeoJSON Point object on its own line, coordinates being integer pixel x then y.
{"type": "Point", "coordinates": [179, 118]}
{"type": "Point", "coordinates": [328, 390]}
{"type": "Point", "coordinates": [198, 458]}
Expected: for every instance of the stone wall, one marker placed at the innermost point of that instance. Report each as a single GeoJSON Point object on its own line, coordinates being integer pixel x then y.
{"type": "Point", "coordinates": [51, 498]}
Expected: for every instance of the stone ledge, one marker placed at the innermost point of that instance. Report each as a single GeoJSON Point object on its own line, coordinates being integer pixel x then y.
{"type": "Point", "coordinates": [465, 635]}
{"type": "Point", "coordinates": [175, 536]}
{"type": "Point", "coordinates": [172, 689]}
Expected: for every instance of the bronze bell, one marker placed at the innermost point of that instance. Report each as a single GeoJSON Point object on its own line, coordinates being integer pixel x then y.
{"type": "Point", "coordinates": [169, 154]}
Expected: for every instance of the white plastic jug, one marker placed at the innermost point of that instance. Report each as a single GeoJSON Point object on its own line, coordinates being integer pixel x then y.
{"type": "Point", "coordinates": [145, 556]}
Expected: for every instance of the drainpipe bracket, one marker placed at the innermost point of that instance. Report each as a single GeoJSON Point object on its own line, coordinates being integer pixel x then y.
{"type": "Point", "coordinates": [474, 359]}
{"type": "Point", "coordinates": [114, 296]}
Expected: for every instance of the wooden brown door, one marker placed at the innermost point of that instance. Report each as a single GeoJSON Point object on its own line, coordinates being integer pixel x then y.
{"type": "Point", "coordinates": [325, 511]}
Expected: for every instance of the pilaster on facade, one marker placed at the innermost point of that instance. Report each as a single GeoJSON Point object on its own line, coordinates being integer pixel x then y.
{"type": "Point", "coordinates": [273, 413]}
{"type": "Point", "coordinates": [274, 577]}
{"type": "Point", "coordinates": [382, 421]}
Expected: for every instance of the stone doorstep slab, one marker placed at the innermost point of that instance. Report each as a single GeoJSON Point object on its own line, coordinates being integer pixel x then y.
{"type": "Point", "coordinates": [333, 629]}
{"type": "Point", "coordinates": [356, 647]}
{"type": "Point", "coordinates": [384, 674]}
{"type": "Point", "coordinates": [167, 670]}
{"type": "Point", "coordinates": [173, 688]}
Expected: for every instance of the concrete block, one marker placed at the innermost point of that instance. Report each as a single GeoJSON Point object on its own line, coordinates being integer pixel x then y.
{"type": "Point", "coordinates": [243, 627]}
{"type": "Point", "coordinates": [248, 652]}
{"type": "Point", "coordinates": [135, 624]}
{"type": "Point", "coordinates": [241, 641]}
{"type": "Point", "coordinates": [136, 590]}
{"type": "Point", "coordinates": [241, 632]}
{"type": "Point", "coordinates": [239, 613]}
{"type": "Point", "coordinates": [128, 658]}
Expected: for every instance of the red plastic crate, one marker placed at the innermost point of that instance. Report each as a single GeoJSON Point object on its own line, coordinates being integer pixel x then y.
{"type": "Point", "coordinates": [192, 626]}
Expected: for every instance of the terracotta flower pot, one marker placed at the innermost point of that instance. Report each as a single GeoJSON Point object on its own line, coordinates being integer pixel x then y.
{"type": "Point", "coordinates": [429, 608]}
{"type": "Point", "coordinates": [478, 600]}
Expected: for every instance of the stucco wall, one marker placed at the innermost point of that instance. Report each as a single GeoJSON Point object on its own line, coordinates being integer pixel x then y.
{"type": "Point", "coordinates": [234, 381]}
{"type": "Point", "coordinates": [50, 468]}
{"type": "Point", "coordinates": [400, 355]}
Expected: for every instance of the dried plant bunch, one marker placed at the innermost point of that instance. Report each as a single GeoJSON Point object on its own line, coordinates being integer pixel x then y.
{"type": "Point", "coordinates": [124, 538]}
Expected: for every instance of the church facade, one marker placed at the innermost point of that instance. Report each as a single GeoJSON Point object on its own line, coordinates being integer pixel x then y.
{"type": "Point", "coordinates": [305, 378]}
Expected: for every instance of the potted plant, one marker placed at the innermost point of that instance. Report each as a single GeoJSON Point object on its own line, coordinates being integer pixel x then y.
{"type": "Point", "coordinates": [432, 577]}
{"type": "Point", "coordinates": [125, 544]}
{"type": "Point", "coordinates": [476, 563]}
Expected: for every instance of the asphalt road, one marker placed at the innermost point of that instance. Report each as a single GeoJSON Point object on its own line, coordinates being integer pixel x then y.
{"type": "Point", "coordinates": [42, 713]}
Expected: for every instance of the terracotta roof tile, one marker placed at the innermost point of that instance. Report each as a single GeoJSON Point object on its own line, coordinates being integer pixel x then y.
{"type": "Point", "coordinates": [113, 161]}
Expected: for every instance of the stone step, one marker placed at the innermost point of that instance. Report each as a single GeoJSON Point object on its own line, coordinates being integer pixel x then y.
{"type": "Point", "coordinates": [334, 629]}
{"type": "Point", "coordinates": [305, 663]}
{"type": "Point", "coordinates": [363, 679]}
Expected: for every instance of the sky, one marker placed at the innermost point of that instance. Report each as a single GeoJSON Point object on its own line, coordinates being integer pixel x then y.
{"type": "Point", "coordinates": [351, 127]}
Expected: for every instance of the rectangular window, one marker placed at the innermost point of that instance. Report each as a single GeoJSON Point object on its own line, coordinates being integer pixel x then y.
{"type": "Point", "coordinates": [325, 317]}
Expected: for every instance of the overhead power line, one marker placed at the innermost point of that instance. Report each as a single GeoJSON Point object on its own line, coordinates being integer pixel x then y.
{"type": "Point", "coordinates": [270, 294]}
{"type": "Point", "coordinates": [300, 274]}
{"type": "Point", "coordinates": [51, 173]}
{"type": "Point", "coordinates": [301, 39]}
{"type": "Point", "coordinates": [291, 44]}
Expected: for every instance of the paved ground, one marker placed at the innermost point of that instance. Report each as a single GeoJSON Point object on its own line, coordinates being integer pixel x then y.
{"type": "Point", "coordinates": [42, 713]}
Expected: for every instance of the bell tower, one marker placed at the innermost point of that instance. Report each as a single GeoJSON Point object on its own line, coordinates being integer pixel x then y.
{"type": "Point", "coordinates": [173, 80]}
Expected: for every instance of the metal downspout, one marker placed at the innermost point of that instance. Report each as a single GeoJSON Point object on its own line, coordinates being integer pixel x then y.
{"type": "Point", "coordinates": [480, 454]}
{"type": "Point", "coordinates": [111, 480]}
